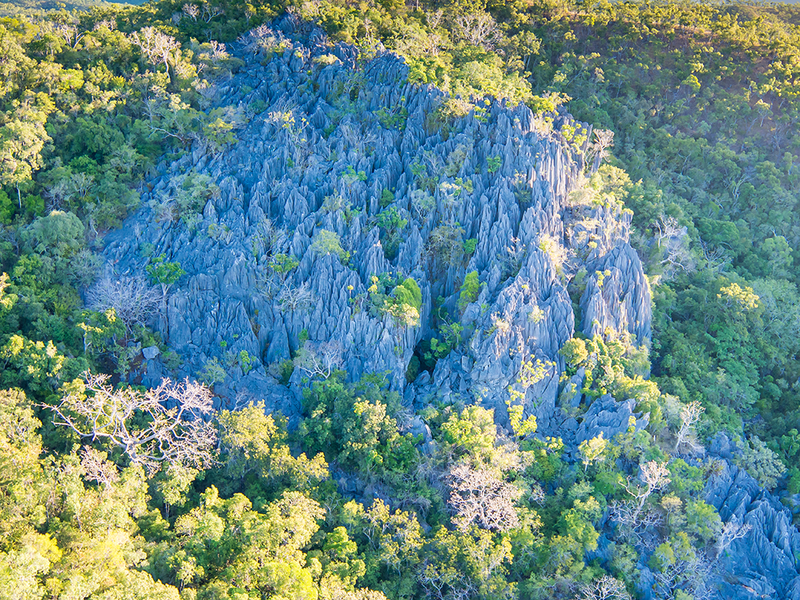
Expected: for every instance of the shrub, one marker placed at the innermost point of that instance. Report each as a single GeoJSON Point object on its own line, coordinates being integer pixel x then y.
{"type": "Point", "coordinates": [328, 242]}
{"type": "Point", "coordinates": [761, 463]}
{"type": "Point", "coordinates": [469, 290]}
{"type": "Point", "coordinates": [353, 424]}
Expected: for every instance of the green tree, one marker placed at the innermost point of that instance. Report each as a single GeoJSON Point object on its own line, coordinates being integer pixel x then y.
{"type": "Point", "coordinates": [328, 242]}
{"type": "Point", "coordinates": [22, 139]}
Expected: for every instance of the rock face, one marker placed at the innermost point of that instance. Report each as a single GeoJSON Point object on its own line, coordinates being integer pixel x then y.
{"type": "Point", "coordinates": [346, 180]}
{"type": "Point", "coordinates": [609, 417]}
{"type": "Point", "coordinates": [764, 563]}
{"type": "Point", "coordinates": [617, 295]}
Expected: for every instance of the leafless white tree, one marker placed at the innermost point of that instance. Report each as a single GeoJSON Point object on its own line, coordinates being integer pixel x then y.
{"type": "Point", "coordinates": [655, 477]}
{"type": "Point", "coordinates": [479, 29]}
{"type": "Point", "coordinates": [603, 140]}
{"type": "Point", "coordinates": [70, 34]}
{"type": "Point", "coordinates": [690, 414]}
{"type": "Point", "coordinates": [133, 299]}
{"type": "Point", "coordinates": [156, 46]}
{"type": "Point", "coordinates": [731, 531]}
{"type": "Point", "coordinates": [209, 12]}
{"type": "Point", "coordinates": [674, 241]}
{"type": "Point", "coordinates": [191, 11]}
{"type": "Point", "coordinates": [319, 359]}
{"type": "Point", "coordinates": [164, 425]}
{"type": "Point", "coordinates": [481, 498]}
{"type": "Point", "coordinates": [262, 38]}
{"type": "Point", "coordinates": [295, 298]}
{"type": "Point", "coordinates": [636, 525]}
{"type": "Point", "coordinates": [714, 258]}
{"type": "Point", "coordinates": [691, 575]}
{"type": "Point", "coordinates": [97, 468]}
{"type": "Point", "coordinates": [107, 23]}
{"type": "Point", "coordinates": [605, 588]}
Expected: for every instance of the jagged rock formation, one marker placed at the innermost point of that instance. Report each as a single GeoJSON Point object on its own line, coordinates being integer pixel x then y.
{"type": "Point", "coordinates": [329, 144]}
{"type": "Point", "coordinates": [764, 563]}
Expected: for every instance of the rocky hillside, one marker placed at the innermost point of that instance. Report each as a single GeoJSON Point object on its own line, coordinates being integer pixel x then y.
{"type": "Point", "coordinates": [344, 182]}
{"type": "Point", "coordinates": [360, 222]}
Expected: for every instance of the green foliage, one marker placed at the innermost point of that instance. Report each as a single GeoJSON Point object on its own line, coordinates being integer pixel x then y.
{"type": "Point", "coordinates": [403, 302]}
{"type": "Point", "coordinates": [705, 153]}
{"type": "Point", "coordinates": [448, 339]}
{"type": "Point", "coordinates": [353, 424]}
{"type": "Point", "coordinates": [386, 199]}
{"type": "Point", "coordinates": [392, 226]}
{"type": "Point", "coordinates": [761, 463]}
{"type": "Point", "coordinates": [59, 235]}
{"type": "Point", "coordinates": [253, 442]}
{"type": "Point", "coordinates": [469, 290]}
{"type": "Point", "coordinates": [164, 272]}
{"type": "Point", "coordinates": [446, 246]}
{"type": "Point", "coordinates": [703, 521]}
{"type": "Point", "coordinates": [213, 372]}
{"type": "Point", "coordinates": [328, 242]}
{"type": "Point", "coordinates": [36, 366]}
{"type": "Point", "coordinates": [470, 433]}
{"type": "Point", "coordinates": [593, 450]}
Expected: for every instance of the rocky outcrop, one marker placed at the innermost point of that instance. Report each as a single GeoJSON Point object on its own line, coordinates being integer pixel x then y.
{"type": "Point", "coordinates": [346, 180]}
{"type": "Point", "coordinates": [347, 173]}
{"type": "Point", "coordinates": [766, 562]}
{"type": "Point", "coordinates": [608, 417]}
{"type": "Point", "coordinates": [617, 295]}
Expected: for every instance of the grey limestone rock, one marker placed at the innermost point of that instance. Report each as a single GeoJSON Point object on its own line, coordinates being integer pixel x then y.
{"type": "Point", "coordinates": [767, 560]}
{"type": "Point", "coordinates": [609, 417]}
{"type": "Point", "coordinates": [617, 295]}
{"type": "Point", "coordinates": [332, 151]}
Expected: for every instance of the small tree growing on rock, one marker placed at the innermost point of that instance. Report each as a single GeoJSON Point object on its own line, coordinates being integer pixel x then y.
{"type": "Point", "coordinates": [328, 242]}
{"type": "Point", "coordinates": [165, 274]}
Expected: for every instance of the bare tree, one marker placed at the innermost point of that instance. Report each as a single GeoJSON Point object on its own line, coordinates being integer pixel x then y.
{"type": "Point", "coordinates": [714, 258]}
{"type": "Point", "coordinates": [263, 38]}
{"type": "Point", "coordinates": [674, 241]}
{"type": "Point", "coordinates": [70, 34]}
{"type": "Point", "coordinates": [163, 425]}
{"type": "Point", "coordinates": [107, 23]}
{"type": "Point", "coordinates": [156, 46]}
{"type": "Point", "coordinates": [132, 298]}
{"type": "Point", "coordinates": [731, 531]}
{"type": "Point", "coordinates": [603, 140]}
{"type": "Point", "coordinates": [295, 298]}
{"type": "Point", "coordinates": [655, 477]}
{"type": "Point", "coordinates": [480, 497]}
{"type": "Point", "coordinates": [191, 11]}
{"type": "Point", "coordinates": [97, 468]}
{"type": "Point", "coordinates": [637, 525]}
{"type": "Point", "coordinates": [479, 29]}
{"type": "Point", "coordinates": [690, 414]}
{"type": "Point", "coordinates": [209, 12]}
{"type": "Point", "coordinates": [605, 588]}
{"type": "Point", "coordinates": [690, 575]}
{"type": "Point", "coordinates": [319, 359]}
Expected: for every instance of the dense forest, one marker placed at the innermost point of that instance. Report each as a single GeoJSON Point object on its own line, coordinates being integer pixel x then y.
{"type": "Point", "coordinates": [110, 490]}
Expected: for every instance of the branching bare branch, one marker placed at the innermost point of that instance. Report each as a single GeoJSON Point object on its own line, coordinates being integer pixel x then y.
{"type": "Point", "coordinates": [162, 425]}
